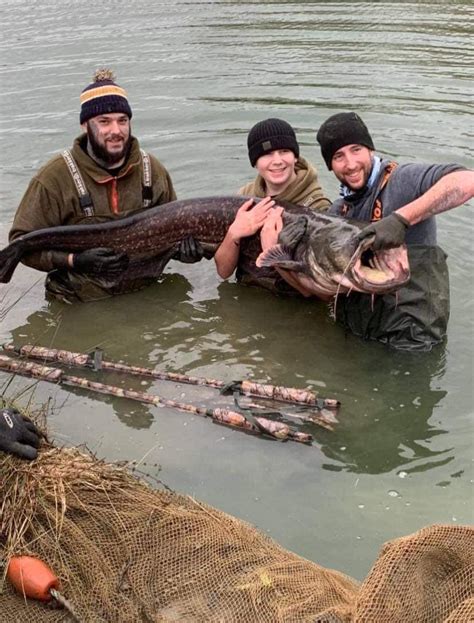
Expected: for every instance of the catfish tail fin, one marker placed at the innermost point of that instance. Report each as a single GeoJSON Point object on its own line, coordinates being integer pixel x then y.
{"type": "Point", "coordinates": [9, 259]}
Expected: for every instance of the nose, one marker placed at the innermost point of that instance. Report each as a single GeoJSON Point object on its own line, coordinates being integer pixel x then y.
{"type": "Point", "coordinates": [277, 157]}
{"type": "Point", "coordinates": [115, 127]}
{"type": "Point", "coordinates": [351, 161]}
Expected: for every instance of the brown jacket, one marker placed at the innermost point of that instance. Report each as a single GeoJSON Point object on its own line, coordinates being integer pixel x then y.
{"type": "Point", "coordinates": [304, 190]}
{"type": "Point", "coordinates": [51, 198]}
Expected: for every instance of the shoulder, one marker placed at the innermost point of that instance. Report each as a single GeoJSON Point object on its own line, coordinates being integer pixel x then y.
{"type": "Point", "coordinates": [248, 189]}
{"type": "Point", "coordinates": [416, 172]}
{"type": "Point", "coordinates": [52, 173]}
{"type": "Point", "coordinates": [156, 164]}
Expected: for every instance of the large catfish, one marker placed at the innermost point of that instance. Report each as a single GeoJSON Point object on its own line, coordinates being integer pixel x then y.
{"type": "Point", "coordinates": [329, 256]}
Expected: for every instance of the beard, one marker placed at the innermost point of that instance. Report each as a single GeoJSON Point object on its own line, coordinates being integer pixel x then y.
{"type": "Point", "coordinates": [100, 150]}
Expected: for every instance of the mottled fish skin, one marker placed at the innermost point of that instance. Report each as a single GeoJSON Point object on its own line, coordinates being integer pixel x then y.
{"type": "Point", "coordinates": [151, 237]}
{"type": "Point", "coordinates": [148, 237]}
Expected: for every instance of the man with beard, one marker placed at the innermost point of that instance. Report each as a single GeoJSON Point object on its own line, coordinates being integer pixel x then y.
{"type": "Point", "coordinates": [400, 201]}
{"type": "Point", "coordinates": [103, 177]}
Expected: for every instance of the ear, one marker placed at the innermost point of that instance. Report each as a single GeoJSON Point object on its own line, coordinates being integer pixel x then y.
{"type": "Point", "coordinates": [84, 127]}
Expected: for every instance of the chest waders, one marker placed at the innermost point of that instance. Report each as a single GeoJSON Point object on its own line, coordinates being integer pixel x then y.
{"type": "Point", "coordinates": [85, 200]}
{"type": "Point", "coordinates": [69, 286]}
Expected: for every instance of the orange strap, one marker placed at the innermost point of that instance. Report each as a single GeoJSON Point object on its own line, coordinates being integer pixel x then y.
{"type": "Point", "coordinates": [377, 210]}
{"type": "Point", "coordinates": [113, 196]}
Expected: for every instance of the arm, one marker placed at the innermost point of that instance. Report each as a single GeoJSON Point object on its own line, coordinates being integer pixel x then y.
{"type": "Point", "coordinates": [247, 222]}
{"type": "Point", "coordinates": [38, 209]}
{"type": "Point", "coordinates": [451, 191]}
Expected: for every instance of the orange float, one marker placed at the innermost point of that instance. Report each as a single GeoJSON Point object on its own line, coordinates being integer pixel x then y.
{"type": "Point", "coordinates": [32, 577]}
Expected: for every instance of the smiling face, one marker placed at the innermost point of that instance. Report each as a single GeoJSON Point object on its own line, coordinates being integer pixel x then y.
{"type": "Point", "coordinates": [352, 165]}
{"type": "Point", "coordinates": [277, 169]}
{"type": "Point", "coordinates": [109, 136]}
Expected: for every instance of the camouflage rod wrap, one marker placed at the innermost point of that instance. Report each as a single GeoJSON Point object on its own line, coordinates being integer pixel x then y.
{"type": "Point", "coordinates": [249, 388]}
{"type": "Point", "coordinates": [274, 429]}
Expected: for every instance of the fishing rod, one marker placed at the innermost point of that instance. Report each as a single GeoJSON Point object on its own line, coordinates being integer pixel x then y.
{"type": "Point", "coordinates": [95, 361]}
{"type": "Point", "coordinates": [248, 423]}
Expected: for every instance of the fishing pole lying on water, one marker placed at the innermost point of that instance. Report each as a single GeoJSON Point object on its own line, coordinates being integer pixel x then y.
{"type": "Point", "coordinates": [95, 361]}
{"type": "Point", "coordinates": [249, 423]}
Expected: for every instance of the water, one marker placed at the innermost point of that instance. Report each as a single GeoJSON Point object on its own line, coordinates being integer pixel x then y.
{"type": "Point", "coordinates": [199, 75]}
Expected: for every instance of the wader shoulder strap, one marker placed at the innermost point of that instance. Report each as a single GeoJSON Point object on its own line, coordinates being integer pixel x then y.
{"type": "Point", "coordinates": [85, 200]}
{"type": "Point", "coordinates": [147, 190]}
{"type": "Point", "coordinates": [377, 210]}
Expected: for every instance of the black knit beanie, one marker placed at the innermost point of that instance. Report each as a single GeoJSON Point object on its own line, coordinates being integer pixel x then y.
{"type": "Point", "coordinates": [345, 128]}
{"type": "Point", "coordinates": [103, 96]}
{"type": "Point", "coordinates": [269, 135]}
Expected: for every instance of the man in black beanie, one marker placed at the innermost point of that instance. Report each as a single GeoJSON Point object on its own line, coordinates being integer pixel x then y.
{"type": "Point", "coordinates": [103, 177]}
{"type": "Point", "coordinates": [400, 202]}
{"type": "Point", "coordinates": [282, 174]}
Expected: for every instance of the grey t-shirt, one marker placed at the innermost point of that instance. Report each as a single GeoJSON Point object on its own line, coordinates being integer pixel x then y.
{"type": "Point", "coordinates": [406, 183]}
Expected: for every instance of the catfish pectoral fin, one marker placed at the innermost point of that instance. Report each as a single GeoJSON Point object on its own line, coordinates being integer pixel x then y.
{"type": "Point", "coordinates": [278, 257]}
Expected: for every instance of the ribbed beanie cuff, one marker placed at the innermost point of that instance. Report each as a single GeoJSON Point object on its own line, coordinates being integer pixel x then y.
{"type": "Point", "coordinates": [269, 135]}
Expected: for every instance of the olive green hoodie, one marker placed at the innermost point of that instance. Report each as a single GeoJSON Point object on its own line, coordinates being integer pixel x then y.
{"type": "Point", "coordinates": [52, 199]}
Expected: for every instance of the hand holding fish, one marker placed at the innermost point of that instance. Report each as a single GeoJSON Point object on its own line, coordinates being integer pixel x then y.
{"type": "Point", "coordinates": [250, 217]}
{"type": "Point", "coordinates": [271, 228]}
{"type": "Point", "coordinates": [190, 251]}
{"type": "Point", "coordinates": [389, 232]}
{"type": "Point", "coordinates": [100, 262]}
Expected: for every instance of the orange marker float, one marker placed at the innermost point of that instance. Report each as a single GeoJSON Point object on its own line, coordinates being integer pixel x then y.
{"type": "Point", "coordinates": [32, 577]}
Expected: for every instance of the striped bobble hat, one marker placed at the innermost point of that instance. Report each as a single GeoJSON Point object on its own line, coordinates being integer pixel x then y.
{"type": "Point", "coordinates": [103, 96]}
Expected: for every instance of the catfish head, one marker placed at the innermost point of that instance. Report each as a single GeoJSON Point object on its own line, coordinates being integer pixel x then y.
{"type": "Point", "coordinates": [324, 256]}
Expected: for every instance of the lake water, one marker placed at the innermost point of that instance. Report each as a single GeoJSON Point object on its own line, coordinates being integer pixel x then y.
{"type": "Point", "coordinates": [199, 75]}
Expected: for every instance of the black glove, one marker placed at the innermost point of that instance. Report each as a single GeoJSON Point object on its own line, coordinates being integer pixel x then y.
{"type": "Point", "coordinates": [292, 233]}
{"type": "Point", "coordinates": [190, 251]}
{"type": "Point", "coordinates": [17, 434]}
{"type": "Point", "coordinates": [100, 262]}
{"type": "Point", "coordinates": [389, 232]}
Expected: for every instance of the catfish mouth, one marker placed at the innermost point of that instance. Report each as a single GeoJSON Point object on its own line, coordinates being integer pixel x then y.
{"type": "Point", "coordinates": [378, 271]}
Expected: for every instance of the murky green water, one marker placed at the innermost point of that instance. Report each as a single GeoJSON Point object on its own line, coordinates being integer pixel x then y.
{"type": "Point", "coordinates": [199, 75]}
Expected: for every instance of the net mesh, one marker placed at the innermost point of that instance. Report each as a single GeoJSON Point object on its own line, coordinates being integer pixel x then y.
{"type": "Point", "coordinates": [126, 552]}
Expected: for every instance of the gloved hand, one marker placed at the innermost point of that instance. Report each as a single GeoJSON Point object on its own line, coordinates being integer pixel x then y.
{"type": "Point", "coordinates": [100, 262]}
{"type": "Point", "coordinates": [389, 231]}
{"type": "Point", "coordinates": [17, 434]}
{"type": "Point", "coordinates": [190, 251]}
{"type": "Point", "coordinates": [292, 233]}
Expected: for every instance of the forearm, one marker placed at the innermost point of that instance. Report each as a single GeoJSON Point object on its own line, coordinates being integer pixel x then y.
{"type": "Point", "coordinates": [227, 255]}
{"type": "Point", "coordinates": [48, 260]}
{"type": "Point", "coordinates": [450, 192]}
